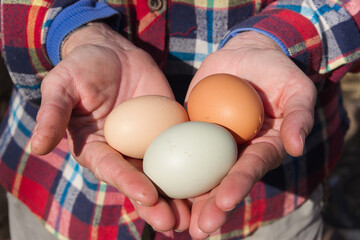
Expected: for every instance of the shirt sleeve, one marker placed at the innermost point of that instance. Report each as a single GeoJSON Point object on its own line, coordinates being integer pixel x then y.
{"type": "Point", "coordinates": [319, 35]}
{"type": "Point", "coordinates": [24, 33]}
{"type": "Point", "coordinates": [72, 18]}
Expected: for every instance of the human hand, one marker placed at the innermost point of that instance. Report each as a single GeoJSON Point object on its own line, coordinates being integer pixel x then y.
{"type": "Point", "coordinates": [289, 99]}
{"type": "Point", "coordinates": [99, 70]}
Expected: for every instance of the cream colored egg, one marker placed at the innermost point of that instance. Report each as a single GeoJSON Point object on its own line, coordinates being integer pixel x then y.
{"type": "Point", "coordinates": [133, 124]}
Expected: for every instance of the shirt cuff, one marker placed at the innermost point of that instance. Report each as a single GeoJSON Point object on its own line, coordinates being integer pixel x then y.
{"type": "Point", "coordinates": [72, 18]}
{"type": "Point", "coordinates": [295, 34]}
{"type": "Point", "coordinates": [236, 31]}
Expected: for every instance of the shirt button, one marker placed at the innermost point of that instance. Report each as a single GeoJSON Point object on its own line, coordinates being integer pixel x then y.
{"type": "Point", "coordinates": [155, 5]}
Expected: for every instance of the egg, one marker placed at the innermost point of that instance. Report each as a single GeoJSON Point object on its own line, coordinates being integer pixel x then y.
{"type": "Point", "coordinates": [190, 158]}
{"type": "Point", "coordinates": [131, 126]}
{"type": "Point", "coordinates": [229, 101]}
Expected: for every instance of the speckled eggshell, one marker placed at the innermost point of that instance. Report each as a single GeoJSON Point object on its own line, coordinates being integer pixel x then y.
{"type": "Point", "coordinates": [190, 158]}
{"type": "Point", "coordinates": [229, 101]}
{"type": "Point", "coordinates": [133, 124]}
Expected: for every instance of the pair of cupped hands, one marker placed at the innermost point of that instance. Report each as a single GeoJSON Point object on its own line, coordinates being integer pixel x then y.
{"type": "Point", "coordinates": [100, 69]}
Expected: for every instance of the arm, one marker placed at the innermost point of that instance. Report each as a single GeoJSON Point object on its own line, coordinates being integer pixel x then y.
{"type": "Point", "coordinates": [289, 99]}
{"type": "Point", "coordinates": [263, 50]}
{"type": "Point", "coordinates": [96, 70]}
{"type": "Point", "coordinates": [25, 38]}
{"type": "Point", "coordinates": [320, 36]}
{"type": "Point", "coordinates": [77, 94]}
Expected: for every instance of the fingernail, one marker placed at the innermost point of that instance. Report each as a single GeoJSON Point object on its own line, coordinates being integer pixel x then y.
{"type": "Point", "coordinates": [230, 209]}
{"type": "Point", "coordinates": [35, 129]}
{"type": "Point", "coordinates": [217, 230]}
{"type": "Point", "coordinates": [138, 202]}
{"type": "Point", "coordinates": [302, 139]}
{"type": "Point", "coordinates": [302, 136]}
{"type": "Point", "coordinates": [135, 201]}
{"type": "Point", "coordinates": [213, 232]}
{"type": "Point", "coordinates": [158, 230]}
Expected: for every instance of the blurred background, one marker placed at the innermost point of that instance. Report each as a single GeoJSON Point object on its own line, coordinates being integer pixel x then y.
{"type": "Point", "coordinates": [343, 207]}
{"type": "Point", "coordinates": [5, 91]}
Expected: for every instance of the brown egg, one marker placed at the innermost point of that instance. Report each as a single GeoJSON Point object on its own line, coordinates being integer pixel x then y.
{"type": "Point", "coordinates": [229, 101]}
{"type": "Point", "coordinates": [132, 125]}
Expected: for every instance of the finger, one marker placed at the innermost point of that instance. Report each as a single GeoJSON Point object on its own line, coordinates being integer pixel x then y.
{"type": "Point", "coordinates": [194, 228]}
{"type": "Point", "coordinates": [181, 213]}
{"type": "Point", "coordinates": [255, 161]}
{"type": "Point", "coordinates": [137, 163]}
{"type": "Point", "coordinates": [211, 217]}
{"type": "Point", "coordinates": [152, 79]}
{"type": "Point", "coordinates": [298, 118]}
{"type": "Point", "coordinates": [109, 166]}
{"type": "Point", "coordinates": [54, 113]}
{"type": "Point", "coordinates": [159, 216]}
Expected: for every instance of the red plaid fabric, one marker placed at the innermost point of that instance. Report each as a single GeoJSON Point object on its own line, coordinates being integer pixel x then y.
{"type": "Point", "coordinates": [73, 204]}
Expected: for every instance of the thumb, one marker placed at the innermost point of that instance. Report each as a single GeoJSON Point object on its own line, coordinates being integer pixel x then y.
{"type": "Point", "coordinates": [298, 119]}
{"type": "Point", "coordinates": [54, 113]}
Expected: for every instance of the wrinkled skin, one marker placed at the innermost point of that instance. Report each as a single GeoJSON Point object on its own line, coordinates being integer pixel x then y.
{"type": "Point", "coordinates": [100, 69]}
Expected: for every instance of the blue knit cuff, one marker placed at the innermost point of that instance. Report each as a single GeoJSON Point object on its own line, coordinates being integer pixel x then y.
{"type": "Point", "coordinates": [73, 17]}
{"type": "Point", "coordinates": [234, 32]}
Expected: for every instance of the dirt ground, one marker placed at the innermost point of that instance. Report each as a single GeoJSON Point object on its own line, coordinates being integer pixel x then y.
{"type": "Point", "coordinates": [343, 209]}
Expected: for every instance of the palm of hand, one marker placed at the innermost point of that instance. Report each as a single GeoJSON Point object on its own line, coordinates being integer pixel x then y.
{"type": "Point", "coordinates": [87, 141]}
{"type": "Point", "coordinates": [100, 70]}
{"type": "Point", "coordinates": [288, 97]}
{"type": "Point", "coordinates": [79, 93]}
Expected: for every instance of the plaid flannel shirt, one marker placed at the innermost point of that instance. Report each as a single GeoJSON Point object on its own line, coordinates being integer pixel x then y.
{"type": "Point", "coordinates": [321, 36]}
